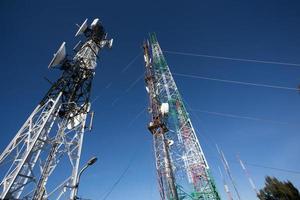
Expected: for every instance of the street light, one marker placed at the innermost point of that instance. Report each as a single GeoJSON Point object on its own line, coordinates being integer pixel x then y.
{"type": "Point", "coordinates": [92, 161]}
{"type": "Point", "coordinates": [89, 163]}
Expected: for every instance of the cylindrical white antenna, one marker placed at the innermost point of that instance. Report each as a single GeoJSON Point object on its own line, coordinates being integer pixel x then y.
{"type": "Point", "coordinates": [226, 188]}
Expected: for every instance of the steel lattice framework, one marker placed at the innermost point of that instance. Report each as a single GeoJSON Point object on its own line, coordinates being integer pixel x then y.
{"type": "Point", "coordinates": [51, 138]}
{"type": "Point", "coordinates": [182, 170]}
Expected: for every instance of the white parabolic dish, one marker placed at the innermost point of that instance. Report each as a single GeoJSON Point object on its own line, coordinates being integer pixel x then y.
{"type": "Point", "coordinates": [82, 28]}
{"type": "Point", "coordinates": [59, 56]}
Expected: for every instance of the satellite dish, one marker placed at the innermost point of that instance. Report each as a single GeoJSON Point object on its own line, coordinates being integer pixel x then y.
{"type": "Point", "coordinates": [164, 108]}
{"type": "Point", "coordinates": [75, 121]}
{"type": "Point", "coordinates": [107, 43]}
{"type": "Point", "coordinates": [94, 23]}
{"type": "Point", "coordinates": [82, 28]}
{"type": "Point", "coordinates": [147, 89]}
{"type": "Point", "coordinates": [110, 43]}
{"type": "Point", "coordinates": [170, 142]}
{"type": "Point", "coordinates": [59, 56]}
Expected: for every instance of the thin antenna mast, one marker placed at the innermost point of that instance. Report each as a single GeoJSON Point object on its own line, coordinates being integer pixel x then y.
{"type": "Point", "coordinates": [226, 188]}
{"type": "Point", "coordinates": [248, 175]}
{"type": "Point", "coordinates": [227, 169]}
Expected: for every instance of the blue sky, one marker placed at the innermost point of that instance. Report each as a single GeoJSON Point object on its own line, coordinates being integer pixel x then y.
{"type": "Point", "coordinates": [31, 31]}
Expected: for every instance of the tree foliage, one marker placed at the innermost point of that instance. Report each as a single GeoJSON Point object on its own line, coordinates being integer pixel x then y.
{"type": "Point", "coordinates": [278, 190]}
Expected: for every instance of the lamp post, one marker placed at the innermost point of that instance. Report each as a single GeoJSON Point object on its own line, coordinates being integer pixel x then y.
{"type": "Point", "coordinates": [89, 163]}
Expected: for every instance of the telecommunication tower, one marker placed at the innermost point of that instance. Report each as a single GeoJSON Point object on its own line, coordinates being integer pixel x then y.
{"type": "Point", "coordinates": [182, 169]}
{"type": "Point", "coordinates": [42, 160]}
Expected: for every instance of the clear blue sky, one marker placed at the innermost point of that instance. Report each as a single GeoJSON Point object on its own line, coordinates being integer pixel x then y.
{"type": "Point", "coordinates": [31, 31]}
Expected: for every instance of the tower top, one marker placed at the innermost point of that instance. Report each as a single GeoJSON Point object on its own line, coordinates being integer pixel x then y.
{"type": "Point", "coordinates": [94, 32]}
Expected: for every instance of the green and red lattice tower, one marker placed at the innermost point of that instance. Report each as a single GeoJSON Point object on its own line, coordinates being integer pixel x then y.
{"type": "Point", "coordinates": [182, 169]}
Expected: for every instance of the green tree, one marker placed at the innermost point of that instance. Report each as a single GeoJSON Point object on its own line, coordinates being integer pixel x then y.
{"type": "Point", "coordinates": [278, 190]}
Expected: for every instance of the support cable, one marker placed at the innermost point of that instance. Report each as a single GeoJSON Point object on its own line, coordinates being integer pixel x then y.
{"type": "Point", "coordinates": [233, 58]}
{"type": "Point", "coordinates": [131, 62]}
{"type": "Point", "coordinates": [235, 82]}
{"type": "Point", "coordinates": [273, 168]}
{"type": "Point", "coordinates": [230, 115]}
{"type": "Point", "coordinates": [129, 87]}
{"type": "Point", "coordinates": [137, 116]}
{"type": "Point", "coordinates": [119, 179]}
{"type": "Point", "coordinates": [212, 142]}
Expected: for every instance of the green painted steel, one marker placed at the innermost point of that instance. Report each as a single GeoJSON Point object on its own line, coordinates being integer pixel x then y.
{"type": "Point", "coordinates": [193, 178]}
